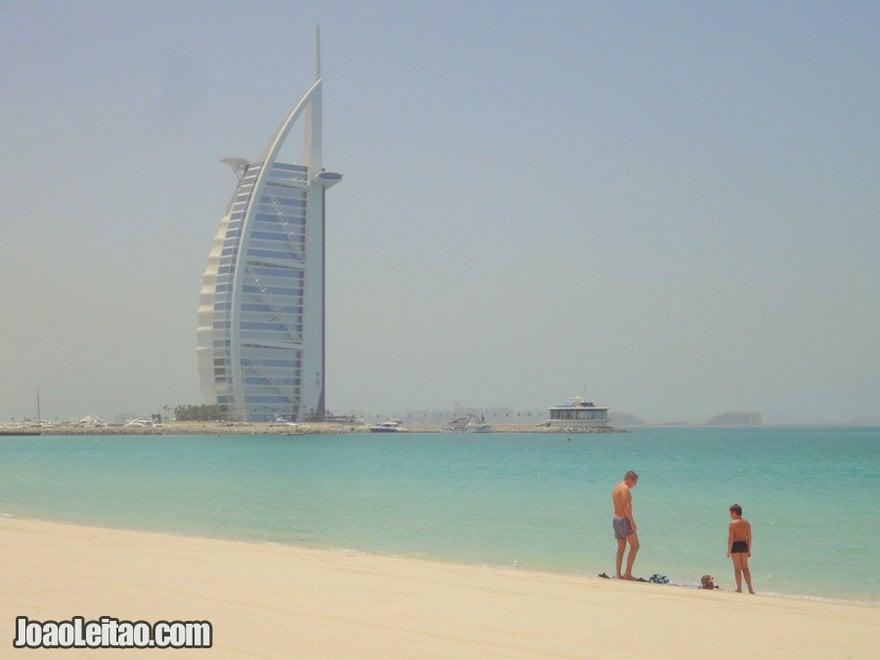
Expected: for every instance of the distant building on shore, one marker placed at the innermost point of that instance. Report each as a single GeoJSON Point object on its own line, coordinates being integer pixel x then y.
{"type": "Point", "coordinates": [578, 413]}
{"type": "Point", "coordinates": [260, 335]}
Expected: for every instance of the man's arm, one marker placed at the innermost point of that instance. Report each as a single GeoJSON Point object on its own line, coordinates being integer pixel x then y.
{"type": "Point", "coordinates": [729, 538]}
{"type": "Point", "coordinates": [628, 509]}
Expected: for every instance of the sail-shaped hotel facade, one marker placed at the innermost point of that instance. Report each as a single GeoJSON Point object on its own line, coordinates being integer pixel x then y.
{"type": "Point", "coordinates": [260, 335]}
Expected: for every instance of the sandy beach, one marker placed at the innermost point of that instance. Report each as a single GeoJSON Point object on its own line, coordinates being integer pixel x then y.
{"type": "Point", "coordinates": [274, 601]}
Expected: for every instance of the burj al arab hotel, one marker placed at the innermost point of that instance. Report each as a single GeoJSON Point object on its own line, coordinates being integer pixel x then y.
{"type": "Point", "coordinates": [260, 335]}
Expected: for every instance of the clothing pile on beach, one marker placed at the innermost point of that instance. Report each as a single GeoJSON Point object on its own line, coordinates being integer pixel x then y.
{"type": "Point", "coordinates": [658, 579]}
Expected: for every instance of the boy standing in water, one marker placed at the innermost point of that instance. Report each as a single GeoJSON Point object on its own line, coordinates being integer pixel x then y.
{"type": "Point", "coordinates": [739, 547]}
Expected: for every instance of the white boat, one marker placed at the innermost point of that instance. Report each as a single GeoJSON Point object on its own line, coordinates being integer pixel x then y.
{"type": "Point", "coordinates": [469, 424]}
{"type": "Point", "coordinates": [142, 422]}
{"type": "Point", "coordinates": [91, 420]}
{"type": "Point", "coordinates": [478, 427]}
{"type": "Point", "coordinates": [578, 414]}
{"type": "Point", "coordinates": [281, 421]}
{"type": "Point", "coordinates": [391, 426]}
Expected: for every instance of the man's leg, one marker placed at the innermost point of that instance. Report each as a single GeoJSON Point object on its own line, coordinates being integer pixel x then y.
{"type": "Point", "coordinates": [747, 574]}
{"type": "Point", "coordinates": [618, 560]}
{"type": "Point", "coordinates": [737, 570]}
{"type": "Point", "coordinates": [633, 540]}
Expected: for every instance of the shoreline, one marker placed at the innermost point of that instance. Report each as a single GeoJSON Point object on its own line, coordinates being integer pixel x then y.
{"type": "Point", "coordinates": [266, 428]}
{"type": "Point", "coordinates": [563, 534]}
{"type": "Point", "coordinates": [269, 600]}
{"type": "Point", "coordinates": [421, 557]}
{"type": "Point", "coordinates": [13, 429]}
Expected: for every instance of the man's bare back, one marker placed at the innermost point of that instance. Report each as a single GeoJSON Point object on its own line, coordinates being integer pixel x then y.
{"type": "Point", "coordinates": [741, 530]}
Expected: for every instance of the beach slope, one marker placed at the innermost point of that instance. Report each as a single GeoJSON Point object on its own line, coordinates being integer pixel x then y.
{"type": "Point", "coordinates": [275, 601]}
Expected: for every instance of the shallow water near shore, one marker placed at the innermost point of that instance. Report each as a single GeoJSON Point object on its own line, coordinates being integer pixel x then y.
{"type": "Point", "coordinates": [535, 501]}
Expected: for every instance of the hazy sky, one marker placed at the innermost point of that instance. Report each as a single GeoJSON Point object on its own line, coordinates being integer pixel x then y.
{"type": "Point", "coordinates": [675, 205]}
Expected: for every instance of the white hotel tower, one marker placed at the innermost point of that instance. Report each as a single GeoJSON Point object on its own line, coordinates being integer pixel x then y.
{"type": "Point", "coordinates": [260, 336]}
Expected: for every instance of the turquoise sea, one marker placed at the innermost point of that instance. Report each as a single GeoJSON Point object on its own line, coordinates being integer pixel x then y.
{"type": "Point", "coordinates": [535, 501]}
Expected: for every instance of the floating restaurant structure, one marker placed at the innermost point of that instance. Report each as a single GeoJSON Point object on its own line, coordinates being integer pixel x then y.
{"type": "Point", "coordinates": [578, 414]}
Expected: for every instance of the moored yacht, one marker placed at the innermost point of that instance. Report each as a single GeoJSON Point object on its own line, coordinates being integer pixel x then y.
{"type": "Point", "coordinates": [391, 426]}
{"type": "Point", "coordinates": [142, 422]}
{"type": "Point", "coordinates": [469, 423]}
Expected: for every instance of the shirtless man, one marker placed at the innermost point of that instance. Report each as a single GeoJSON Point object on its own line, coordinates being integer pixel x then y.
{"type": "Point", "coordinates": [624, 524]}
{"type": "Point", "coordinates": [739, 547]}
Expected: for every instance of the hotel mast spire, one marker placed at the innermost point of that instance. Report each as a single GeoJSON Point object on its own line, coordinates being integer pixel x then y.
{"type": "Point", "coordinates": [317, 51]}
